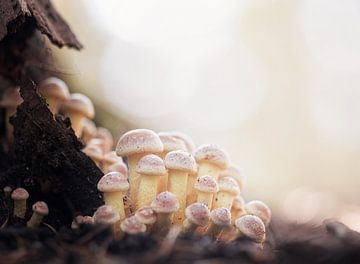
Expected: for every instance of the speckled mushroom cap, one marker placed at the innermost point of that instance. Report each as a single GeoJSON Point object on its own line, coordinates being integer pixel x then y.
{"type": "Point", "coordinates": [111, 158]}
{"type": "Point", "coordinates": [180, 160]}
{"type": "Point", "coordinates": [94, 152]}
{"type": "Point", "coordinates": [139, 141]}
{"type": "Point", "coordinates": [19, 194]}
{"type": "Point", "coordinates": [146, 215]}
{"type": "Point", "coordinates": [105, 214]}
{"type": "Point", "coordinates": [40, 208]}
{"type": "Point", "coordinates": [198, 214]}
{"type": "Point", "coordinates": [260, 209]}
{"type": "Point", "coordinates": [238, 203]}
{"type": "Point", "coordinates": [189, 143]}
{"type": "Point", "coordinates": [206, 183]}
{"type": "Point", "coordinates": [89, 129]}
{"type": "Point", "coordinates": [54, 88]}
{"type": "Point", "coordinates": [151, 165]}
{"type": "Point", "coordinates": [132, 226]}
{"type": "Point", "coordinates": [236, 173]}
{"type": "Point", "coordinates": [228, 184]}
{"type": "Point", "coordinates": [113, 182]}
{"type": "Point", "coordinates": [80, 104]}
{"type": "Point", "coordinates": [165, 202]}
{"type": "Point", "coordinates": [11, 98]}
{"type": "Point", "coordinates": [171, 143]}
{"type": "Point", "coordinates": [252, 227]}
{"type": "Point", "coordinates": [118, 167]}
{"type": "Point", "coordinates": [221, 217]}
{"type": "Point", "coordinates": [212, 154]}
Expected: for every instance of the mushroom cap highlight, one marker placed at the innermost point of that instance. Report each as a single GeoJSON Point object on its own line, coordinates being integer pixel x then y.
{"type": "Point", "coordinates": [198, 214]}
{"type": "Point", "coordinates": [139, 141]}
{"type": "Point", "coordinates": [251, 226]}
{"type": "Point", "coordinates": [180, 160]}
{"type": "Point", "coordinates": [212, 154]}
{"type": "Point", "coordinates": [189, 143]}
{"type": "Point", "coordinates": [40, 208]}
{"type": "Point", "coordinates": [206, 183]}
{"type": "Point", "coordinates": [132, 226]}
{"type": "Point", "coordinates": [146, 215]}
{"type": "Point", "coordinates": [171, 143]}
{"type": "Point", "coordinates": [19, 194]}
{"type": "Point", "coordinates": [80, 104]}
{"type": "Point", "coordinates": [165, 202]}
{"type": "Point", "coordinates": [221, 217]}
{"type": "Point", "coordinates": [260, 209]}
{"type": "Point", "coordinates": [228, 184]}
{"type": "Point", "coordinates": [55, 88]}
{"type": "Point", "coordinates": [236, 173]}
{"type": "Point", "coordinates": [151, 165]}
{"type": "Point", "coordinates": [105, 214]}
{"type": "Point", "coordinates": [113, 182]}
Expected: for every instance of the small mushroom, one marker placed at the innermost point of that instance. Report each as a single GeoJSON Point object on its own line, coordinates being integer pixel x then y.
{"type": "Point", "coordinates": [94, 153]}
{"type": "Point", "coordinates": [89, 130]}
{"type": "Point", "coordinates": [252, 227]}
{"type": "Point", "coordinates": [106, 215]}
{"type": "Point", "coordinates": [106, 136]}
{"type": "Point", "coordinates": [109, 159]}
{"type": "Point", "coordinates": [197, 214]}
{"type": "Point", "coordinates": [206, 187]}
{"type": "Point", "coordinates": [228, 190]}
{"type": "Point", "coordinates": [78, 108]}
{"type": "Point", "coordinates": [40, 209]}
{"type": "Point", "coordinates": [189, 143]}
{"type": "Point", "coordinates": [55, 92]}
{"type": "Point", "coordinates": [220, 219]}
{"type": "Point", "coordinates": [238, 207]}
{"type": "Point", "coordinates": [7, 191]}
{"type": "Point", "coordinates": [20, 196]}
{"type": "Point", "coordinates": [236, 173]}
{"type": "Point", "coordinates": [132, 226]}
{"type": "Point", "coordinates": [119, 166]}
{"type": "Point", "coordinates": [260, 209]}
{"type": "Point", "coordinates": [82, 220]}
{"type": "Point", "coordinates": [147, 216]}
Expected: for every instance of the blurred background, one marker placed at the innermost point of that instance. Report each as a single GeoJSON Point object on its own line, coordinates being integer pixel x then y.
{"type": "Point", "coordinates": [274, 82]}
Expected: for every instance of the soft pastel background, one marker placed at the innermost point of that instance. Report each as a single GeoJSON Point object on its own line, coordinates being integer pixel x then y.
{"type": "Point", "coordinates": [274, 82]}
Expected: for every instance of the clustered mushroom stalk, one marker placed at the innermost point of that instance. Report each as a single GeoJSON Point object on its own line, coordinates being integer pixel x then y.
{"type": "Point", "coordinates": [40, 210]}
{"type": "Point", "coordinates": [147, 216]}
{"type": "Point", "coordinates": [220, 219]}
{"type": "Point", "coordinates": [106, 215]}
{"type": "Point", "coordinates": [132, 226]}
{"type": "Point", "coordinates": [20, 196]}
{"type": "Point", "coordinates": [236, 173]}
{"type": "Point", "coordinates": [206, 187]}
{"type": "Point", "coordinates": [228, 190]}
{"type": "Point", "coordinates": [197, 214]}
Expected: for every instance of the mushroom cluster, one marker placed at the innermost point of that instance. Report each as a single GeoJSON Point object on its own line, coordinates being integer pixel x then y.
{"type": "Point", "coordinates": [168, 182]}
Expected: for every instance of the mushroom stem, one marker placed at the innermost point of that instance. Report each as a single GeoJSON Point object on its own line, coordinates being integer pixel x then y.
{"type": "Point", "coordinates": [54, 104]}
{"type": "Point", "coordinates": [206, 168]}
{"type": "Point", "coordinates": [214, 230]}
{"type": "Point", "coordinates": [148, 190]}
{"type": "Point", "coordinates": [205, 198]}
{"type": "Point", "coordinates": [177, 184]}
{"type": "Point", "coordinates": [163, 223]}
{"type": "Point", "coordinates": [115, 200]}
{"type": "Point", "coordinates": [20, 208]}
{"type": "Point", "coordinates": [35, 220]}
{"type": "Point", "coordinates": [188, 227]}
{"type": "Point", "coordinates": [76, 123]}
{"type": "Point", "coordinates": [134, 177]}
{"type": "Point", "coordinates": [191, 191]}
{"type": "Point", "coordinates": [223, 199]}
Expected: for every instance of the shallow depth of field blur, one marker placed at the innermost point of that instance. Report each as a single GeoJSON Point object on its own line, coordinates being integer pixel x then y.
{"type": "Point", "coordinates": [276, 83]}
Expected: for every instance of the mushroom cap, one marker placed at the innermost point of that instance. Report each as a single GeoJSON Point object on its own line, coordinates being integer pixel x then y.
{"type": "Point", "coordinates": [89, 129]}
{"type": "Point", "coordinates": [221, 216]}
{"type": "Point", "coordinates": [259, 209]}
{"type": "Point", "coordinates": [7, 189]}
{"type": "Point", "coordinates": [165, 202]}
{"type": "Point", "coordinates": [119, 166]}
{"type": "Point", "coordinates": [189, 143]}
{"type": "Point", "coordinates": [180, 160]}
{"type": "Point", "coordinates": [206, 183]}
{"type": "Point", "coordinates": [236, 173]}
{"type": "Point", "coordinates": [105, 134]}
{"type": "Point", "coordinates": [151, 165]}
{"type": "Point", "coordinates": [198, 214]}
{"type": "Point", "coordinates": [105, 214]}
{"type": "Point", "coordinates": [40, 208]}
{"type": "Point", "coordinates": [11, 98]}
{"type": "Point", "coordinates": [113, 182]}
{"type": "Point", "coordinates": [19, 194]}
{"type": "Point", "coordinates": [252, 227]}
{"type": "Point", "coordinates": [139, 141]}
{"type": "Point", "coordinates": [111, 158]}
{"type": "Point", "coordinates": [212, 154]}
{"type": "Point", "coordinates": [228, 184]}
{"type": "Point", "coordinates": [132, 226]}
{"type": "Point", "coordinates": [79, 103]}
{"type": "Point", "coordinates": [238, 203]}
{"type": "Point", "coordinates": [94, 152]}
{"type": "Point", "coordinates": [171, 143]}
{"type": "Point", "coordinates": [55, 88]}
{"type": "Point", "coordinates": [146, 215]}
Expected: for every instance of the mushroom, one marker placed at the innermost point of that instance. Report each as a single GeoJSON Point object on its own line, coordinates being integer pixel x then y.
{"type": "Point", "coordinates": [228, 190]}
{"type": "Point", "coordinates": [151, 168]}
{"type": "Point", "coordinates": [236, 173]}
{"type": "Point", "coordinates": [20, 195]}
{"type": "Point", "coordinates": [170, 143]}
{"type": "Point", "coordinates": [165, 204]}
{"type": "Point", "coordinates": [55, 92]}
{"type": "Point", "coordinates": [259, 209]}
{"type": "Point", "coordinates": [106, 136]}
{"type": "Point", "coordinates": [220, 219]}
{"type": "Point", "coordinates": [89, 130]}
{"type": "Point", "coordinates": [106, 215]}
{"type": "Point", "coordinates": [197, 214]}
{"type": "Point", "coordinates": [189, 143]}
{"type": "Point", "coordinates": [211, 160]}
{"type": "Point", "coordinates": [119, 166]}
{"type": "Point", "coordinates": [7, 191]}
{"type": "Point", "coordinates": [109, 159]}
{"type": "Point", "coordinates": [134, 145]}
{"type": "Point", "coordinates": [251, 227]}
{"type": "Point", "coordinates": [94, 153]}
{"type": "Point", "coordinates": [179, 164]}
{"type": "Point", "coordinates": [40, 209]}
{"type": "Point", "coordinates": [132, 226]}
{"type": "Point", "coordinates": [237, 208]}
{"type": "Point", "coordinates": [147, 216]}
{"type": "Point", "coordinates": [82, 220]}
{"type": "Point", "coordinates": [206, 187]}
{"type": "Point", "coordinates": [114, 185]}
{"type": "Point", "coordinates": [78, 108]}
